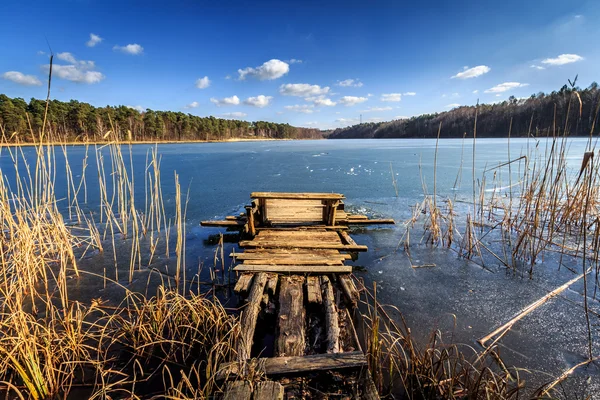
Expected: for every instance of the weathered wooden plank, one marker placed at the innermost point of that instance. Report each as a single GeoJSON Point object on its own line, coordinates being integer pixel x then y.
{"type": "Point", "coordinates": [301, 228]}
{"type": "Point", "coordinates": [297, 196]}
{"type": "Point", "coordinates": [367, 386]}
{"type": "Point", "coordinates": [331, 316]}
{"type": "Point", "coordinates": [299, 257]}
{"type": "Point", "coordinates": [290, 251]}
{"type": "Point", "coordinates": [292, 365]}
{"type": "Point", "coordinates": [295, 269]}
{"type": "Point", "coordinates": [347, 238]}
{"type": "Point", "coordinates": [306, 245]}
{"type": "Point", "coordinates": [250, 218]}
{"type": "Point", "coordinates": [290, 338]}
{"type": "Point", "coordinates": [268, 390]}
{"type": "Point", "coordinates": [313, 290]}
{"type": "Point", "coordinates": [243, 283]}
{"type": "Point", "coordinates": [294, 261]}
{"type": "Point", "coordinates": [349, 289]}
{"type": "Point", "coordinates": [370, 221]}
{"type": "Point", "coordinates": [226, 223]}
{"type": "Point", "coordinates": [238, 390]}
{"type": "Point", "coordinates": [249, 316]}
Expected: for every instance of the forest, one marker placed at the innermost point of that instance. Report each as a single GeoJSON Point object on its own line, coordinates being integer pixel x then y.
{"type": "Point", "coordinates": [539, 115]}
{"type": "Point", "coordinates": [75, 121]}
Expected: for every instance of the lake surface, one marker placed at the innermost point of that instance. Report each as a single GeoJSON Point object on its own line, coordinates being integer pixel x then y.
{"type": "Point", "coordinates": [457, 296]}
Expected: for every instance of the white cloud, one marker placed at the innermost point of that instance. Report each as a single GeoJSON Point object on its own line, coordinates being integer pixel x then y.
{"type": "Point", "coordinates": [302, 90]}
{"type": "Point", "coordinates": [350, 83]}
{"type": "Point", "coordinates": [562, 59]}
{"type": "Point", "coordinates": [236, 114]}
{"type": "Point", "coordinates": [94, 40]}
{"type": "Point", "coordinates": [301, 108]}
{"type": "Point", "coordinates": [203, 83]}
{"type": "Point", "coordinates": [133, 49]}
{"type": "Point", "coordinates": [270, 70]}
{"type": "Point", "coordinates": [68, 57]}
{"type": "Point", "coordinates": [475, 91]}
{"type": "Point", "coordinates": [349, 101]}
{"type": "Point", "coordinates": [295, 61]}
{"type": "Point", "coordinates": [453, 105]}
{"type": "Point", "coordinates": [369, 94]}
{"type": "Point", "coordinates": [472, 72]}
{"type": "Point", "coordinates": [311, 123]}
{"type": "Point", "coordinates": [370, 109]}
{"type": "Point", "coordinates": [347, 121]}
{"type": "Point", "coordinates": [193, 104]}
{"type": "Point", "coordinates": [506, 86]}
{"type": "Point", "coordinates": [227, 101]}
{"type": "Point", "coordinates": [41, 53]}
{"type": "Point", "coordinates": [137, 108]}
{"type": "Point", "coordinates": [539, 67]}
{"type": "Point", "coordinates": [409, 94]}
{"type": "Point", "coordinates": [227, 77]}
{"type": "Point", "coordinates": [401, 117]}
{"type": "Point", "coordinates": [321, 101]}
{"type": "Point", "coordinates": [391, 97]}
{"type": "Point", "coordinates": [21, 79]}
{"type": "Point", "coordinates": [258, 101]}
{"type": "Point", "coordinates": [79, 73]}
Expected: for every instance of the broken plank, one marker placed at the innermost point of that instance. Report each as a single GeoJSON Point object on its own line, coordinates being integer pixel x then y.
{"type": "Point", "coordinates": [268, 390]}
{"type": "Point", "coordinates": [313, 290]}
{"type": "Point", "coordinates": [292, 365]}
{"type": "Point", "coordinates": [272, 282]}
{"type": "Point", "coordinates": [243, 283]}
{"type": "Point", "coordinates": [321, 269]}
{"type": "Point", "coordinates": [249, 316]}
{"type": "Point", "coordinates": [331, 316]}
{"type": "Point", "coordinates": [347, 238]}
{"type": "Point", "coordinates": [238, 390]}
{"type": "Point", "coordinates": [290, 339]}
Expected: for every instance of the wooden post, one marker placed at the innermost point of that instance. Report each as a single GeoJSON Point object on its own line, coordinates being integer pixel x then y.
{"type": "Point", "coordinates": [249, 316]}
{"type": "Point", "coordinates": [250, 216]}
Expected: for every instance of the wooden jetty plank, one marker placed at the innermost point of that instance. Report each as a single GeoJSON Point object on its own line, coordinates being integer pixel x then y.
{"type": "Point", "coordinates": [347, 238]}
{"type": "Point", "coordinates": [238, 390]}
{"type": "Point", "coordinates": [331, 316]}
{"type": "Point", "coordinates": [296, 269]}
{"type": "Point", "coordinates": [303, 228]}
{"type": "Point", "coordinates": [304, 245]}
{"type": "Point", "coordinates": [313, 290]}
{"type": "Point", "coordinates": [249, 316]}
{"type": "Point", "coordinates": [292, 365]}
{"type": "Point", "coordinates": [268, 390]}
{"type": "Point", "coordinates": [323, 252]}
{"type": "Point", "coordinates": [226, 223]}
{"type": "Point", "coordinates": [297, 196]}
{"type": "Point", "coordinates": [285, 256]}
{"type": "Point", "coordinates": [349, 289]}
{"type": "Point", "coordinates": [243, 283]}
{"type": "Point", "coordinates": [370, 221]}
{"type": "Point", "coordinates": [294, 261]}
{"type": "Point", "coordinates": [290, 338]}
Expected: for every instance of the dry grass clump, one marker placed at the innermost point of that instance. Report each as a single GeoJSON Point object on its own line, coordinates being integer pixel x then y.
{"type": "Point", "coordinates": [402, 368]}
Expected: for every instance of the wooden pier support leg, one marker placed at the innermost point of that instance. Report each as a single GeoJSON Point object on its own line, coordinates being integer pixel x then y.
{"type": "Point", "coordinates": [250, 218]}
{"type": "Point", "coordinates": [290, 340]}
{"type": "Point", "coordinates": [313, 290]}
{"type": "Point", "coordinates": [238, 390]}
{"type": "Point", "coordinates": [331, 316]}
{"type": "Point", "coordinates": [268, 390]}
{"type": "Point", "coordinates": [249, 316]}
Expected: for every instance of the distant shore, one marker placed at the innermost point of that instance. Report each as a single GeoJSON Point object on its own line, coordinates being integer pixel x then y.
{"type": "Point", "coordinates": [93, 143]}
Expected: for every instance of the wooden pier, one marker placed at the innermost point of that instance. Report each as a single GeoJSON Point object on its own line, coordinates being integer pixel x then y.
{"type": "Point", "coordinates": [297, 337]}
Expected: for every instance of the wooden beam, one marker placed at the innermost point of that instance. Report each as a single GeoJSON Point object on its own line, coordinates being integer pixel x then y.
{"type": "Point", "coordinates": [349, 289]}
{"type": "Point", "coordinates": [304, 245]}
{"type": "Point", "coordinates": [226, 223]}
{"type": "Point", "coordinates": [249, 316]}
{"type": "Point", "coordinates": [238, 390]}
{"type": "Point", "coordinates": [331, 316]}
{"type": "Point", "coordinates": [293, 365]}
{"type": "Point", "coordinates": [369, 221]}
{"type": "Point", "coordinates": [290, 339]}
{"type": "Point", "coordinates": [268, 390]}
{"type": "Point", "coordinates": [250, 217]}
{"type": "Point", "coordinates": [297, 196]}
{"type": "Point", "coordinates": [295, 269]}
{"type": "Point", "coordinates": [313, 290]}
{"type": "Point", "coordinates": [272, 282]}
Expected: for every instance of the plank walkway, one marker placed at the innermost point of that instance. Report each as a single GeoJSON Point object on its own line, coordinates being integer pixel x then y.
{"type": "Point", "coordinates": [293, 271]}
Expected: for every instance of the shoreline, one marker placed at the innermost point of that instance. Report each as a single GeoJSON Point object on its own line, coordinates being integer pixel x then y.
{"type": "Point", "coordinates": [93, 143]}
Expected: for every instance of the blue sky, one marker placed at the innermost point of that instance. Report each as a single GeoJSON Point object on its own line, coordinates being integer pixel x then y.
{"type": "Point", "coordinates": [309, 63]}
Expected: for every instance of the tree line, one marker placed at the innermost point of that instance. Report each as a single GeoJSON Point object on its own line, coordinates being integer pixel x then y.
{"type": "Point", "coordinates": [571, 110]}
{"type": "Point", "coordinates": [75, 121]}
